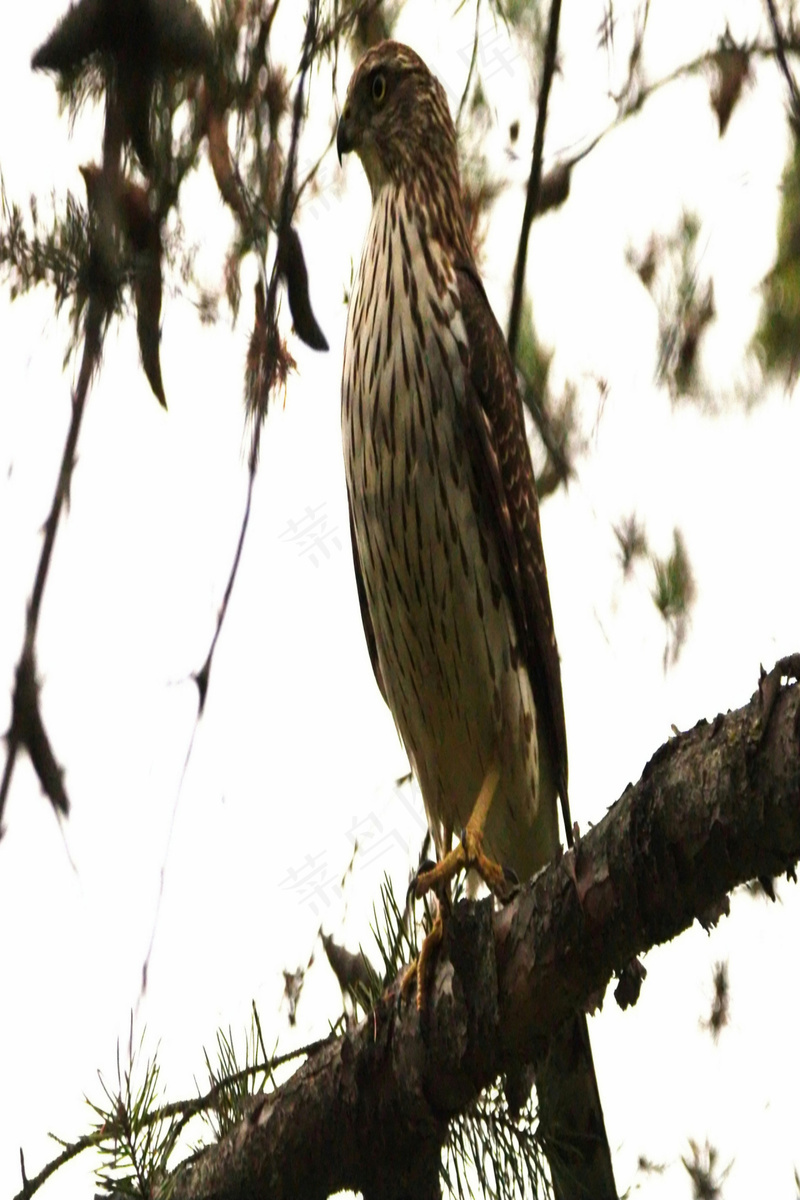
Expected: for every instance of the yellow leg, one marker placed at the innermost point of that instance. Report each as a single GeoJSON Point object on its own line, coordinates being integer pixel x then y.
{"type": "Point", "coordinates": [468, 853]}
{"type": "Point", "coordinates": [419, 969]}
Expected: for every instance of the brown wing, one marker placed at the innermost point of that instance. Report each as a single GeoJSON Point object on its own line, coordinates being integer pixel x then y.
{"type": "Point", "coordinates": [366, 619]}
{"type": "Point", "coordinates": [503, 467]}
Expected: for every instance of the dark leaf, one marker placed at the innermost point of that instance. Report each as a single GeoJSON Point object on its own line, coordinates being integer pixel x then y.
{"type": "Point", "coordinates": [136, 41]}
{"type": "Point", "coordinates": [145, 239]}
{"type": "Point", "coordinates": [170, 34]}
{"type": "Point", "coordinates": [292, 266]}
{"type": "Point", "coordinates": [27, 727]}
{"type": "Point", "coordinates": [732, 71]}
{"type": "Point", "coordinates": [127, 236]}
{"type": "Point", "coordinates": [554, 188]}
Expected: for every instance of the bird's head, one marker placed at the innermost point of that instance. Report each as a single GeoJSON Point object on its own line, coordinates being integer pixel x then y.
{"type": "Point", "coordinates": [397, 120]}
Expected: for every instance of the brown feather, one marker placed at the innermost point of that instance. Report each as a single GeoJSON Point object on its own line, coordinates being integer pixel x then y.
{"type": "Point", "coordinates": [502, 461]}
{"type": "Point", "coordinates": [363, 603]}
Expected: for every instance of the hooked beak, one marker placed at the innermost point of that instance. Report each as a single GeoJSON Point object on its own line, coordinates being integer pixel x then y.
{"type": "Point", "coordinates": [345, 134]}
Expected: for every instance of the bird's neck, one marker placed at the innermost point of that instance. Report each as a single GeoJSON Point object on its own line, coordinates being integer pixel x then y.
{"type": "Point", "coordinates": [434, 211]}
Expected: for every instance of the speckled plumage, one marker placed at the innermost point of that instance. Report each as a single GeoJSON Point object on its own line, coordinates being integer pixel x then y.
{"type": "Point", "coordinates": [443, 510]}
{"type": "Point", "coordinates": [443, 504]}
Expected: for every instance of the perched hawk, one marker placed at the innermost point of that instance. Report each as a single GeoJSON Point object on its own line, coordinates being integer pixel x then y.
{"type": "Point", "coordinates": [444, 521]}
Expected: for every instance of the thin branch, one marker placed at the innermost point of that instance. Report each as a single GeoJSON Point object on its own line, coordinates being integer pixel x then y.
{"type": "Point", "coordinates": [535, 178]}
{"type": "Point", "coordinates": [187, 1109]}
{"type": "Point", "coordinates": [473, 60]}
{"type": "Point", "coordinates": [70, 1151]}
{"type": "Point", "coordinates": [556, 467]}
{"type": "Point", "coordinates": [780, 42]}
{"type": "Point", "coordinates": [629, 109]}
{"type": "Point", "coordinates": [27, 728]}
{"type": "Point", "coordinates": [286, 212]}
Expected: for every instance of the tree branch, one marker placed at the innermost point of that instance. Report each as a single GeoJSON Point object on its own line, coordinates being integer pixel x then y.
{"type": "Point", "coordinates": [780, 43]}
{"type": "Point", "coordinates": [27, 727]}
{"type": "Point", "coordinates": [535, 178]}
{"type": "Point", "coordinates": [715, 807]}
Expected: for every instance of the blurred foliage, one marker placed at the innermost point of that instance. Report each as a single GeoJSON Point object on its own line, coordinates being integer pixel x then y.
{"type": "Point", "coordinates": [674, 594]}
{"type": "Point", "coordinates": [555, 417]}
{"type": "Point", "coordinates": [56, 254]}
{"type": "Point", "coordinates": [372, 23]}
{"type": "Point", "coordinates": [176, 87]}
{"type": "Point", "coordinates": [632, 542]}
{"type": "Point", "coordinates": [647, 1167]}
{"type": "Point", "coordinates": [703, 1169]}
{"type": "Point", "coordinates": [719, 1015]}
{"type": "Point", "coordinates": [777, 339]}
{"type": "Point", "coordinates": [669, 268]}
{"type": "Point", "coordinates": [528, 21]}
{"type": "Point", "coordinates": [533, 358]}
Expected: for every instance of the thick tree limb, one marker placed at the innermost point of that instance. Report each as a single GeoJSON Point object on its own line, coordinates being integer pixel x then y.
{"type": "Point", "coordinates": [715, 807]}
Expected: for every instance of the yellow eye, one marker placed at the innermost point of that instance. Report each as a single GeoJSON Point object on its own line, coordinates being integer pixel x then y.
{"type": "Point", "coordinates": [378, 88]}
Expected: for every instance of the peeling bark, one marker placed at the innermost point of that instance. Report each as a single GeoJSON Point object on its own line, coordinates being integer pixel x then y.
{"type": "Point", "coordinates": [714, 808]}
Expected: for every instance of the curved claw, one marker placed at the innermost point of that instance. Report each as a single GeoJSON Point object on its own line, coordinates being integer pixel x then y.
{"type": "Point", "coordinates": [424, 867]}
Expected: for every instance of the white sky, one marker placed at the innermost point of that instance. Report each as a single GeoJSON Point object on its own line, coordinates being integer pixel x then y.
{"type": "Point", "coordinates": [296, 754]}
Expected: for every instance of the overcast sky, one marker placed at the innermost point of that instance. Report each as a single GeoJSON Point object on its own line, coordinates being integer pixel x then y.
{"type": "Point", "coordinates": [230, 876]}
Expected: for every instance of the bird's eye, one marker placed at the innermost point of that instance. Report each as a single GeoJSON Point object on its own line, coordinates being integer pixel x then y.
{"type": "Point", "coordinates": [378, 88]}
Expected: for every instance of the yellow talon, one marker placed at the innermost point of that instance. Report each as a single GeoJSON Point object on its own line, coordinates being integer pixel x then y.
{"type": "Point", "coordinates": [420, 968]}
{"type": "Point", "coordinates": [468, 854]}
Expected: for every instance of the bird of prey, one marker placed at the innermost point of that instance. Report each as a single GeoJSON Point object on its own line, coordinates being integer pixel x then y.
{"type": "Point", "coordinates": [444, 522]}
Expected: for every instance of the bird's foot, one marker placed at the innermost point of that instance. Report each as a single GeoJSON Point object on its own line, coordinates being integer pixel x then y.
{"type": "Point", "coordinates": [419, 970]}
{"type": "Point", "coordinates": [468, 855]}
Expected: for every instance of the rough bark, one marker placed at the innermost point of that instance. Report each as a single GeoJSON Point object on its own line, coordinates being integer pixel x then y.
{"type": "Point", "coordinates": [714, 807]}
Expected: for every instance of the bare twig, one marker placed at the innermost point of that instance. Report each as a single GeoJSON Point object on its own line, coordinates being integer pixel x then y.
{"type": "Point", "coordinates": [626, 111]}
{"type": "Point", "coordinates": [286, 211]}
{"type": "Point", "coordinates": [535, 178]}
{"type": "Point", "coordinates": [780, 42]}
{"type": "Point", "coordinates": [473, 60]}
{"type": "Point", "coordinates": [27, 728]}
